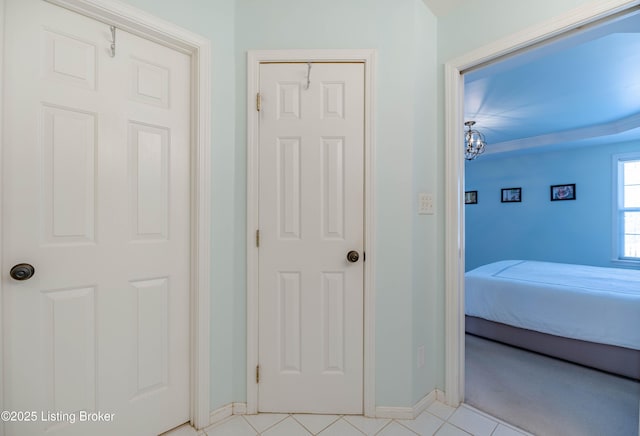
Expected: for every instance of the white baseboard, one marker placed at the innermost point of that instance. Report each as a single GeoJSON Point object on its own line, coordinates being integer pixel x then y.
{"type": "Point", "coordinates": [220, 414]}
{"type": "Point", "coordinates": [226, 411]}
{"type": "Point", "coordinates": [381, 411]}
{"type": "Point", "coordinates": [239, 408]}
{"type": "Point", "coordinates": [409, 412]}
{"type": "Point", "coordinates": [394, 412]}
{"type": "Point", "coordinates": [422, 405]}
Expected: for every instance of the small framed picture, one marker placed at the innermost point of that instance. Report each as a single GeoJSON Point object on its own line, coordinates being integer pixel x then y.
{"type": "Point", "coordinates": [471, 197]}
{"type": "Point", "coordinates": [511, 195]}
{"type": "Point", "coordinates": [563, 192]}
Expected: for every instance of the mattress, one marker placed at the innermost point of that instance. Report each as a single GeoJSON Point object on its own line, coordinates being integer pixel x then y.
{"type": "Point", "coordinates": [594, 304]}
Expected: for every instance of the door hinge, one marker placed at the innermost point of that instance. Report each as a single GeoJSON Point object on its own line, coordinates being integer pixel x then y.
{"type": "Point", "coordinates": [258, 374]}
{"type": "Point", "coordinates": [258, 102]}
{"type": "Point", "coordinates": [258, 238]}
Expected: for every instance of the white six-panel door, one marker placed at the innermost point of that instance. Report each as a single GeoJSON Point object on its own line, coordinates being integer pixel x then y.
{"type": "Point", "coordinates": [96, 197]}
{"type": "Point", "coordinates": [311, 203]}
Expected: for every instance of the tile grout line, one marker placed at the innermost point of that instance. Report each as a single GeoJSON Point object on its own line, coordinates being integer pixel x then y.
{"type": "Point", "coordinates": [444, 421]}
{"type": "Point", "coordinates": [311, 431]}
{"type": "Point", "coordinates": [500, 421]}
{"type": "Point", "coordinates": [497, 423]}
{"type": "Point", "coordinates": [352, 425]}
{"type": "Point", "coordinates": [465, 431]}
{"type": "Point", "coordinates": [293, 416]}
{"type": "Point", "coordinates": [383, 427]}
{"type": "Point", "coordinates": [349, 423]}
{"type": "Point", "coordinates": [410, 429]}
{"type": "Point", "coordinates": [258, 432]}
{"type": "Point", "coordinates": [247, 421]}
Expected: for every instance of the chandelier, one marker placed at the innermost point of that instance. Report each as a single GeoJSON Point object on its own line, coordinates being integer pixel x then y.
{"type": "Point", "coordinates": [474, 142]}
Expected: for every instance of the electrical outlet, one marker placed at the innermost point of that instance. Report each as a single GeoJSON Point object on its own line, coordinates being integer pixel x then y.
{"type": "Point", "coordinates": [425, 204]}
{"type": "Point", "coordinates": [420, 357]}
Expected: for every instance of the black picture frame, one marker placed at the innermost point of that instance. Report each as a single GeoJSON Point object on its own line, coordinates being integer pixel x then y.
{"type": "Point", "coordinates": [563, 192]}
{"type": "Point", "coordinates": [471, 197]}
{"type": "Point", "coordinates": [511, 195]}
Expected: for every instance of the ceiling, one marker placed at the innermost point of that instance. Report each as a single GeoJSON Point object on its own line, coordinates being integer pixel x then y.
{"type": "Point", "coordinates": [583, 89]}
{"type": "Point", "coordinates": [441, 8]}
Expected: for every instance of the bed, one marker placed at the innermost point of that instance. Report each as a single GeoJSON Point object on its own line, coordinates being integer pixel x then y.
{"type": "Point", "coordinates": [584, 314]}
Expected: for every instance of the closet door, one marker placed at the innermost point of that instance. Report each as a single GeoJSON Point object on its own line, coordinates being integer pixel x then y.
{"type": "Point", "coordinates": [311, 217]}
{"type": "Point", "coordinates": [96, 198]}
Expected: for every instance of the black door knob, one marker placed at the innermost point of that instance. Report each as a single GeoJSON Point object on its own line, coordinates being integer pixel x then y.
{"type": "Point", "coordinates": [22, 271]}
{"type": "Point", "coordinates": [353, 256]}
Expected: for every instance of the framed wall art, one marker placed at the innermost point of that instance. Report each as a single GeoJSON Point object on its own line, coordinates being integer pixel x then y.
{"type": "Point", "coordinates": [563, 192]}
{"type": "Point", "coordinates": [511, 195]}
{"type": "Point", "coordinates": [471, 197]}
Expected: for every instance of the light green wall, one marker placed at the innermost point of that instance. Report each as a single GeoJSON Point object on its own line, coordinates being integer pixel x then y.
{"type": "Point", "coordinates": [428, 270]}
{"type": "Point", "coordinates": [397, 30]}
{"type": "Point", "coordinates": [403, 33]}
{"type": "Point", "coordinates": [476, 23]}
{"type": "Point", "coordinates": [411, 46]}
{"type": "Point", "coordinates": [215, 20]}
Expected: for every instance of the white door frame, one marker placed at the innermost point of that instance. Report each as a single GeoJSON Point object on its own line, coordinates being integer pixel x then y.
{"type": "Point", "coordinates": [254, 58]}
{"type": "Point", "coordinates": [2, 273]}
{"type": "Point", "coordinates": [199, 49]}
{"type": "Point", "coordinates": [454, 167]}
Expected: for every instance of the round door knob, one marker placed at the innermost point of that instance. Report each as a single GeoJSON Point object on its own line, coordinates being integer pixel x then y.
{"type": "Point", "coordinates": [22, 271]}
{"type": "Point", "coordinates": [353, 256]}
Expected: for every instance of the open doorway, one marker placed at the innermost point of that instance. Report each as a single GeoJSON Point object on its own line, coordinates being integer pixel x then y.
{"type": "Point", "coordinates": [535, 254]}
{"type": "Point", "coordinates": [510, 238]}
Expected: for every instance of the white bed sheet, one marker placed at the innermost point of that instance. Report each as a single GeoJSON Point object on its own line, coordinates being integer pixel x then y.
{"type": "Point", "coordinates": [589, 303]}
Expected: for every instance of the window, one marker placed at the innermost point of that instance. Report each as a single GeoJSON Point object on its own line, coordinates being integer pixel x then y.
{"type": "Point", "coordinates": [628, 207]}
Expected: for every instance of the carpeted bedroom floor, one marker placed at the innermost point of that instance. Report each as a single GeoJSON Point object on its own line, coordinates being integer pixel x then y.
{"type": "Point", "coordinates": [548, 397]}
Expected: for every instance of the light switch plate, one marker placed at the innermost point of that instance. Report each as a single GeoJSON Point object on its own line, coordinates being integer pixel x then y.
{"type": "Point", "coordinates": [425, 204]}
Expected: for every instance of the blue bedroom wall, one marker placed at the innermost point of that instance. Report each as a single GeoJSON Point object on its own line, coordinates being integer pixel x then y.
{"type": "Point", "coordinates": [575, 231]}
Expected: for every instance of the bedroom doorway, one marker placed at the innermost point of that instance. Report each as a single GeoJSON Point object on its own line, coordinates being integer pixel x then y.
{"type": "Point", "coordinates": [454, 170]}
{"type": "Point", "coordinates": [473, 345]}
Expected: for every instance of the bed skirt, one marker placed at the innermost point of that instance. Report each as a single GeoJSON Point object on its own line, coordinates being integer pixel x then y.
{"type": "Point", "coordinates": [616, 360]}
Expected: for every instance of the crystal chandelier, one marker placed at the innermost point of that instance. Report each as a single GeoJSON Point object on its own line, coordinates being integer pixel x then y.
{"type": "Point", "coordinates": [474, 142]}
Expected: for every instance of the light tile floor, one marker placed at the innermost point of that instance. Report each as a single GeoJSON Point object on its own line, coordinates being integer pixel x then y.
{"type": "Point", "coordinates": [438, 420]}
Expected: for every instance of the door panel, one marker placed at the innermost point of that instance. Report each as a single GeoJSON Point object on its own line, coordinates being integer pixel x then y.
{"type": "Point", "coordinates": [68, 202]}
{"type": "Point", "coordinates": [311, 215]}
{"type": "Point", "coordinates": [96, 195]}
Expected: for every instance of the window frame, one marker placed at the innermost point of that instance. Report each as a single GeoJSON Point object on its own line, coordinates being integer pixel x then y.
{"type": "Point", "coordinates": [618, 210]}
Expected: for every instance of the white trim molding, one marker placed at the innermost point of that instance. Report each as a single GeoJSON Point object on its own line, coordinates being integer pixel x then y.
{"type": "Point", "coordinates": [454, 165]}
{"type": "Point", "coordinates": [409, 412]}
{"type": "Point", "coordinates": [239, 408]}
{"type": "Point", "coordinates": [198, 48]}
{"type": "Point", "coordinates": [1, 209]}
{"type": "Point", "coordinates": [617, 228]}
{"type": "Point", "coordinates": [254, 58]}
{"type": "Point", "coordinates": [595, 131]}
{"type": "Point", "coordinates": [454, 238]}
{"type": "Point", "coordinates": [222, 413]}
